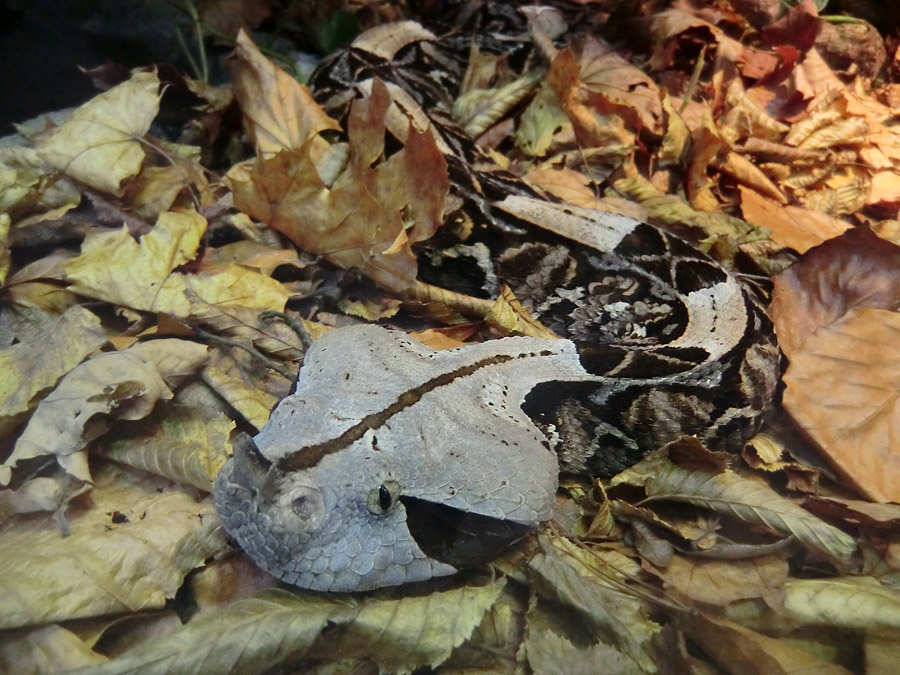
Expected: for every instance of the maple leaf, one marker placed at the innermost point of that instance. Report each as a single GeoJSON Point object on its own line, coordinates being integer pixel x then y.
{"type": "Point", "coordinates": [368, 217]}
{"type": "Point", "coordinates": [114, 267]}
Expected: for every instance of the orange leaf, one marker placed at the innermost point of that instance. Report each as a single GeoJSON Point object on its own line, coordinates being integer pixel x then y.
{"type": "Point", "coordinates": [856, 269]}
{"type": "Point", "coordinates": [792, 226]}
{"type": "Point", "coordinates": [843, 388]}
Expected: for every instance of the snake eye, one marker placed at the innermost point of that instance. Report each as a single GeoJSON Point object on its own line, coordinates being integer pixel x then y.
{"type": "Point", "coordinates": [382, 498]}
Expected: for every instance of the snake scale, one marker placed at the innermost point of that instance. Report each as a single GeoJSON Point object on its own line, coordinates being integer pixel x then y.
{"type": "Point", "coordinates": [359, 481]}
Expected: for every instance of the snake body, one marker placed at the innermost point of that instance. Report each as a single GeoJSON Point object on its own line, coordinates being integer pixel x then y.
{"type": "Point", "coordinates": [671, 342]}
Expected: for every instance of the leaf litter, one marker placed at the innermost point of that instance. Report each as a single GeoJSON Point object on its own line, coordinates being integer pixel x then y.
{"type": "Point", "coordinates": [133, 352]}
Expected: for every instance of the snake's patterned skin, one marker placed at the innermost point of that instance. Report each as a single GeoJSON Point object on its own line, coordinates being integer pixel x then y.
{"type": "Point", "coordinates": [676, 344]}
{"type": "Point", "coordinates": [690, 349]}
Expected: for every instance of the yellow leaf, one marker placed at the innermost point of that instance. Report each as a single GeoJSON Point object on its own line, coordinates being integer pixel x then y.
{"type": "Point", "coordinates": [252, 404]}
{"type": "Point", "coordinates": [30, 368]}
{"type": "Point", "coordinates": [114, 267]}
{"type": "Point", "coordinates": [179, 441]}
{"type": "Point", "coordinates": [4, 246]}
{"type": "Point", "coordinates": [543, 119]}
{"type": "Point", "coordinates": [512, 318]}
{"type": "Point", "coordinates": [479, 109]}
{"type": "Point", "coordinates": [107, 565]}
{"type": "Point", "coordinates": [854, 603]}
{"type": "Point", "coordinates": [101, 144]}
{"type": "Point", "coordinates": [123, 385]}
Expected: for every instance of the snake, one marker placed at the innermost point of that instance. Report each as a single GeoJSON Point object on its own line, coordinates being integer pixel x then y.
{"type": "Point", "coordinates": [669, 343]}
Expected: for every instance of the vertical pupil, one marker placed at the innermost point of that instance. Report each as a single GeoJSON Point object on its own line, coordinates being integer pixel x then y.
{"type": "Point", "coordinates": [384, 498]}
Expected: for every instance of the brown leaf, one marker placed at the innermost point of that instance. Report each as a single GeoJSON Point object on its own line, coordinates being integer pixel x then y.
{"type": "Point", "coordinates": [842, 388]}
{"type": "Point", "coordinates": [721, 582]}
{"type": "Point", "coordinates": [280, 112]}
{"type": "Point", "coordinates": [598, 80]}
{"type": "Point", "coordinates": [745, 652]}
{"type": "Point", "coordinates": [369, 216]}
{"type": "Point", "coordinates": [856, 269]}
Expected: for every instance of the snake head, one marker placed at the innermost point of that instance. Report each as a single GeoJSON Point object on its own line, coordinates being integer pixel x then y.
{"type": "Point", "coordinates": [396, 464]}
{"type": "Point", "coordinates": [333, 528]}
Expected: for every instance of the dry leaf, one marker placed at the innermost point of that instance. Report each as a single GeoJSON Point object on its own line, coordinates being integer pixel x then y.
{"type": "Point", "coordinates": [541, 121]}
{"type": "Point", "coordinates": [101, 145]}
{"type": "Point", "coordinates": [842, 388]}
{"type": "Point", "coordinates": [854, 603]}
{"type": "Point", "coordinates": [31, 367]}
{"type": "Point", "coordinates": [46, 649]}
{"type": "Point", "coordinates": [721, 582]}
{"type": "Point", "coordinates": [856, 269]}
{"type": "Point", "coordinates": [565, 573]}
{"type": "Point", "coordinates": [181, 442]}
{"type": "Point", "coordinates": [740, 650]}
{"type": "Point", "coordinates": [792, 226]}
{"type": "Point", "coordinates": [748, 500]}
{"type": "Point", "coordinates": [253, 404]}
{"type": "Point", "coordinates": [109, 563]}
{"type": "Point", "coordinates": [280, 112]}
{"type": "Point", "coordinates": [479, 109]}
{"type": "Point", "coordinates": [114, 267]}
{"type": "Point", "coordinates": [125, 385]}
{"type": "Point", "coordinates": [369, 216]}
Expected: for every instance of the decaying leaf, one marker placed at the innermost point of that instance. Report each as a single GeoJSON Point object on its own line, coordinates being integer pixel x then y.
{"type": "Point", "coordinates": [101, 145]}
{"type": "Point", "coordinates": [842, 388]}
{"type": "Point", "coordinates": [855, 603]}
{"type": "Point", "coordinates": [793, 226]}
{"type": "Point", "coordinates": [399, 635]}
{"type": "Point", "coordinates": [542, 120]}
{"type": "Point", "coordinates": [568, 575]}
{"type": "Point", "coordinates": [181, 442]}
{"type": "Point", "coordinates": [748, 500]}
{"type": "Point", "coordinates": [129, 550]}
{"type": "Point", "coordinates": [31, 367]}
{"type": "Point", "coordinates": [741, 650]}
{"type": "Point", "coordinates": [512, 318]}
{"type": "Point", "coordinates": [253, 404]}
{"type": "Point", "coordinates": [856, 269]}
{"type": "Point", "coordinates": [721, 582]}
{"type": "Point", "coordinates": [45, 649]}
